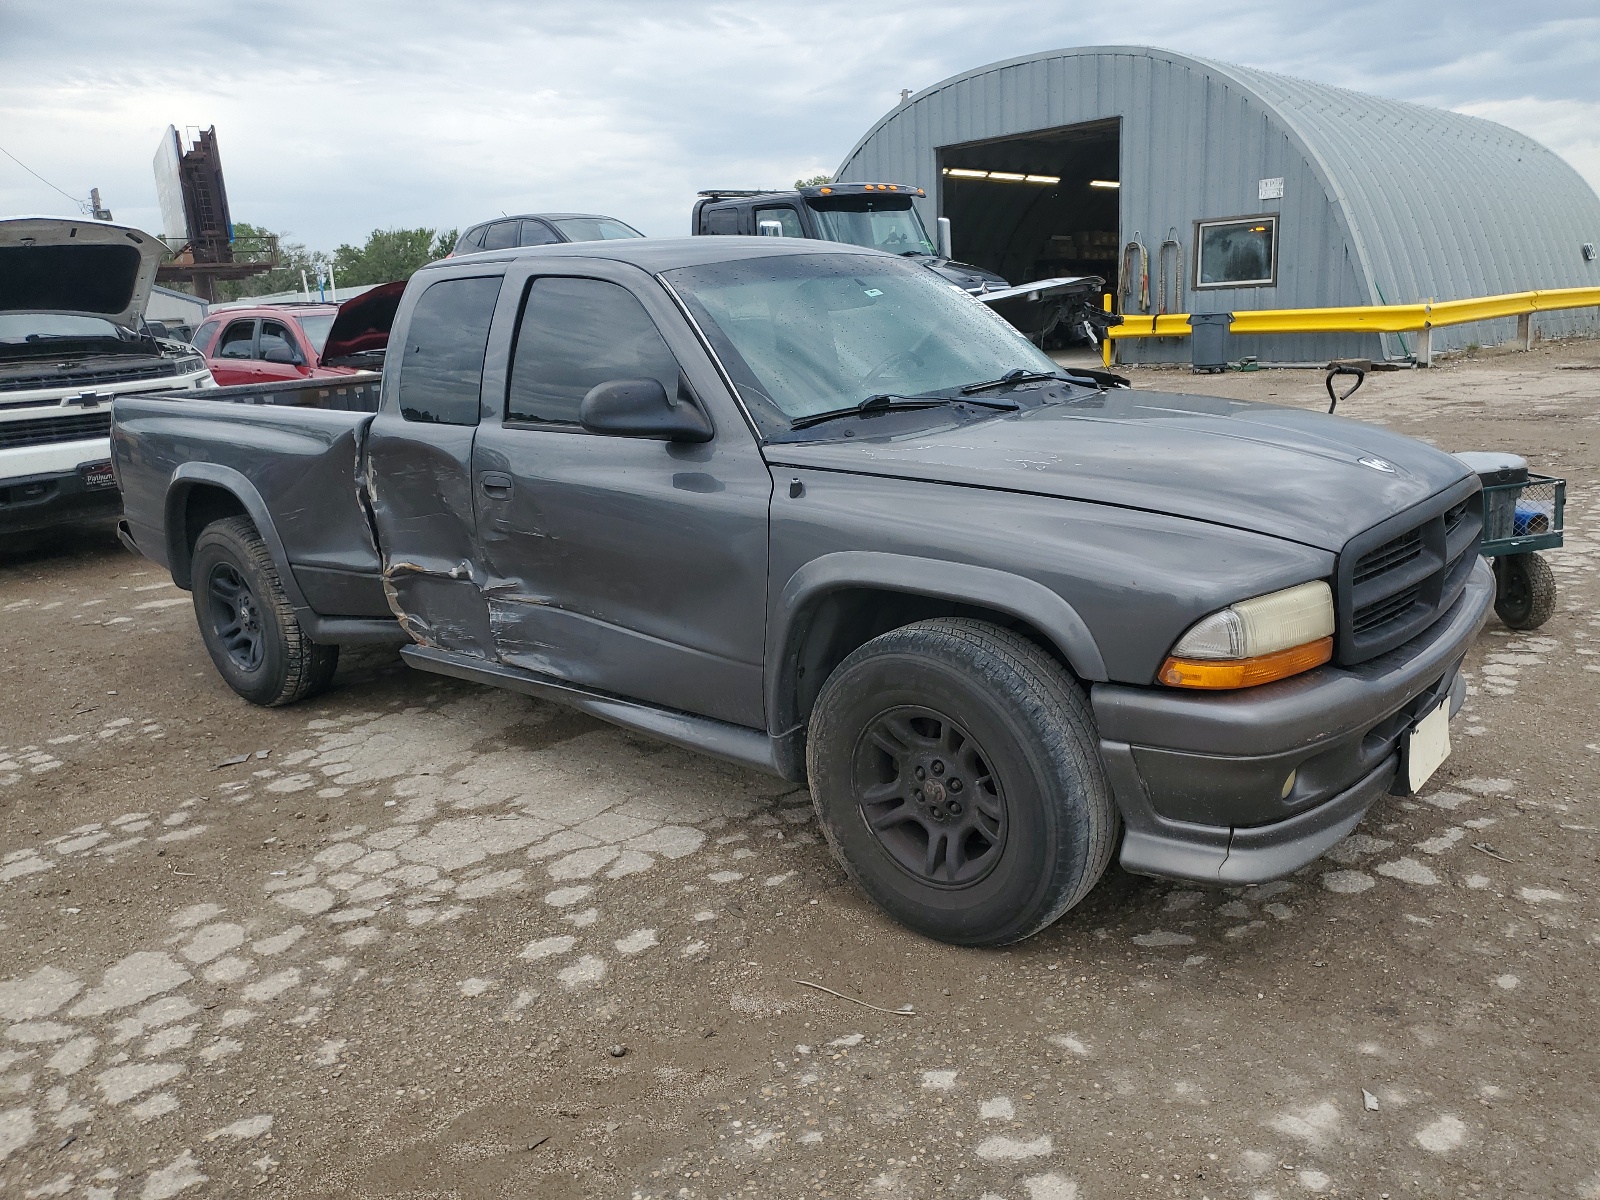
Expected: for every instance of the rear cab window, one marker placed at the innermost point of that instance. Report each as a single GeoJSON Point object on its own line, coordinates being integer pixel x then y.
{"type": "Point", "coordinates": [441, 369]}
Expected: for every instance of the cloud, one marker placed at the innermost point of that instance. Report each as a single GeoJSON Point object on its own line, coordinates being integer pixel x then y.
{"type": "Point", "coordinates": [334, 119]}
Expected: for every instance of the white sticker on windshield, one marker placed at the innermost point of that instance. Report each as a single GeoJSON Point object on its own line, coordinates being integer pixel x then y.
{"type": "Point", "coordinates": [874, 291]}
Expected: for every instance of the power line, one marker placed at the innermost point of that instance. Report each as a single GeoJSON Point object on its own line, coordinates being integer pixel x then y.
{"type": "Point", "coordinates": [75, 199]}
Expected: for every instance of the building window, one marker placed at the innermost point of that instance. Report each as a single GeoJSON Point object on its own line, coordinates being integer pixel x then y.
{"type": "Point", "coordinates": [1237, 252]}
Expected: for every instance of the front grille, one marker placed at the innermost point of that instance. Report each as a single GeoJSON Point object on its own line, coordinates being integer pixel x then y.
{"type": "Point", "coordinates": [1400, 576]}
{"type": "Point", "coordinates": [1389, 556]}
{"type": "Point", "coordinates": [90, 379]}
{"type": "Point", "coordinates": [41, 431]}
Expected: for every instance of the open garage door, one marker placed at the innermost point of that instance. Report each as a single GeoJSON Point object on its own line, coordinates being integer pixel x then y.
{"type": "Point", "coordinates": [1038, 205]}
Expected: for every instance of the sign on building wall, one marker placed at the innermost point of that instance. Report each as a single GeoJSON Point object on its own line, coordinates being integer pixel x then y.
{"type": "Point", "coordinates": [1270, 189]}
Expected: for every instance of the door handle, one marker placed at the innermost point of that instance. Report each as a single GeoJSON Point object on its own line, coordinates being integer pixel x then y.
{"type": "Point", "coordinates": [495, 485]}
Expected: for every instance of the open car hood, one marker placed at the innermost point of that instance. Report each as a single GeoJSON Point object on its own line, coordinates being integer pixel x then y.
{"type": "Point", "coordinates": [361, 329]}
{"type": "Point", "coordinates": [77, 267]}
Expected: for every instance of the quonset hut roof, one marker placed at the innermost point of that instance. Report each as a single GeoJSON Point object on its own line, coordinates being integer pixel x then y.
{"type": "Point", "coordinates": [1432, 204]}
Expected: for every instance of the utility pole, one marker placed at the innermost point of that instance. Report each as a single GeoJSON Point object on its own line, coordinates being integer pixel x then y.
{"type": "Point", "coordinates": [100, 214]}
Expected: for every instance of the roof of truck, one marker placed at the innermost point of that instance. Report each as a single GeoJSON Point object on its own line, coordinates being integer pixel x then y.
{"type": "Point", "coordinates": [665, 254]}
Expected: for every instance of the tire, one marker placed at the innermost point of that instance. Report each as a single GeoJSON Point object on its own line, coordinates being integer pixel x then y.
{"type": "Point", "coordinates": [983, 714]}
{"type": "Point", "coordinates": [246, 621]}
{"type": "Point", "coordinates": [1525, 590]}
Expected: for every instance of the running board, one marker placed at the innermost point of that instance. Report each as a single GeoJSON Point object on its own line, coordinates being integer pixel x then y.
{"type": "Point", "coordinates": [735, 743]}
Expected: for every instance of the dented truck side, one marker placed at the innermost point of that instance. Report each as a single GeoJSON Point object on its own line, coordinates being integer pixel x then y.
{"type": "Point", "coordinates": [949, 611]}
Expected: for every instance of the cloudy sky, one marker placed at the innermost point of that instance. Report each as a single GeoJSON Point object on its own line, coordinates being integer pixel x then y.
{"type": "Point", "coordinates": [335, 117]}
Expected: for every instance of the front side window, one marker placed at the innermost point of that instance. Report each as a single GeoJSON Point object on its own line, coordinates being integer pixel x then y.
{"type": "Point", "coordinates": [575, 334]}
{"type": "Point", "coordinates": [277, 343]}
{"type": "Point", "coordinates": [1242, 252]}
{"type": "Point", "coordinates": [595, 229]}
{"type": "Point", "coordinates": [787, 220]}
{"type": "Point", "coordinates": [877, 222]}
{"type": "Point", "coordinates": [818, 332]}
{"type": "Point", "coordinates": [441, 372]}
{"type": "Point", "coordinates": [537, 233]}
{"type": "Point", "coordinates": [238, 340]}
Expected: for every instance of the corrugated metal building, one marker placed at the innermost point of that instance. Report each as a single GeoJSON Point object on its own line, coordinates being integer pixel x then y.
{"type": "Point", "coordinates": [1244, 189]}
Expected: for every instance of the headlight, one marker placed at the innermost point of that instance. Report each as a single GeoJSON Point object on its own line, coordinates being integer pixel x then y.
{"type": "Point", "coordinates": [1255, 641]}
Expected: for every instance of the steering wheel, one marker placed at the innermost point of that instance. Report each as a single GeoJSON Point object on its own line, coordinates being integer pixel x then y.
{"type": "Point", "coordinates": [898, 356]}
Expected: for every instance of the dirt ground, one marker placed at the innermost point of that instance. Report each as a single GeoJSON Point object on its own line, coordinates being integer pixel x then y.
{"type": "Point", "coordinates": [433, 940]}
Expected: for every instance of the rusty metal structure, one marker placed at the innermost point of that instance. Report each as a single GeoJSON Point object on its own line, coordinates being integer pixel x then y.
{"type": "Point", "coordinates": [196, 224]}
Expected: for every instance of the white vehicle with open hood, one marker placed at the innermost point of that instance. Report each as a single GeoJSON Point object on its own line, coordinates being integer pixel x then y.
{"type": "Point", "coordinates": [72, 336]}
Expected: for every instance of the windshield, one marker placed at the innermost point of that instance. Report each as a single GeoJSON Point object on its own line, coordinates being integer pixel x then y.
{"type": "Point", "coordinates": [811, 333]}
{"type": "Point", "coordinates": [595, 229]}
{"type": "Point", "coordinates": [874, 222]}
{"type": "Point", "coordinates": [23, 327]}
{"type": "Point", "coordinates": [317, 329]}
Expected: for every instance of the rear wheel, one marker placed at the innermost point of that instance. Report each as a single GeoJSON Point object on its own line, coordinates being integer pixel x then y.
{"type": "Point", "coordinates": [1525, 591]}
{"type": "Point", "coordinates": [247, 623]}
{"type": "Point", "coordinates": [954, 769]}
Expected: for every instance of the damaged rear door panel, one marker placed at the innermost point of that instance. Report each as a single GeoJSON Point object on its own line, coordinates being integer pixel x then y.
{"type": "Point", "coordinates": [418, 471]}
{"type": "Point", "coordinates": [629, 565]}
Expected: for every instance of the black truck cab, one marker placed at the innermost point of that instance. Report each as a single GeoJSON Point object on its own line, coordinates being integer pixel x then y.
{"type": "Point", "coordinates": [880, 216]}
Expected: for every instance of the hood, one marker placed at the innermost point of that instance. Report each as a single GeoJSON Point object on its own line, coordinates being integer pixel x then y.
{"type": "Point", "coordinates": [362, 326]}
{"type": "Point", "coordinates": [1287, 472]}
{"type": "Point", "coordinates": [77, 267]}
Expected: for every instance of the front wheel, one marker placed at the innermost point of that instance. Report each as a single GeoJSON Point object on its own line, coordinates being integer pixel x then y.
{"type": "Point", "coordinates": [954, 769]}
{"type": "Point", "coordinates": [247, 623]}
{"type": "Point", "coordinates": [1525, 590]}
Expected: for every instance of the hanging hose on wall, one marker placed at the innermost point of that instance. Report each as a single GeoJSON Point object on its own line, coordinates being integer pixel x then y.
{"type": "Point", "coordinates": [1162, 306]}
{"type": "Point", "coordinates": [1135, 277]}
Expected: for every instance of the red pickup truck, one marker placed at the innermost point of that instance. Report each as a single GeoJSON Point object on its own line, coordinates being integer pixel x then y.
{"type": "Point", "coordinates": [268, 344]}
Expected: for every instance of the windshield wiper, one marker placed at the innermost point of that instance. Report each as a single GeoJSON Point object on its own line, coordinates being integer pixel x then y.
{"type": "Point", "coordinates": [1015, 375]}
{"type": "Point", "coordinates": [886, 401]}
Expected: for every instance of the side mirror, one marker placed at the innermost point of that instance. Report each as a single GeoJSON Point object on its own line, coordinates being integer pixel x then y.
{"type": "Point", "coordinates": [770, 229]}
{"type": "Point", "coordinates": [281, 354]}
{"type": "Point", "coordinates": [942, 224]}
{"type": "Point", "coordinates": [641, 408]}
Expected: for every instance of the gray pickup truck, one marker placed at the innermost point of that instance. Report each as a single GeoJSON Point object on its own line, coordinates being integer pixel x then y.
{"type": "Point", "coordinates": [807, 507]}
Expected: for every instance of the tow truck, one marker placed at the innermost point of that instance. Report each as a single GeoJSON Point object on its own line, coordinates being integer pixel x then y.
{"type": "Point", "coordinates": [884, 216]}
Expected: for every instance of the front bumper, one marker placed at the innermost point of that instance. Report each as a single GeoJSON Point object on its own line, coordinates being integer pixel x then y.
{"type": "Point", "coordinates": [43, 501]}
{"type": "Point", "coordinates": [1203, 780]}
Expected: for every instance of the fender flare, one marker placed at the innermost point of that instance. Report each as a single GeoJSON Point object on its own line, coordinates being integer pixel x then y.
{"type": "Point", "coordinates": [963, 583]}
{"type": "Point", "coordinates": [235, 483]}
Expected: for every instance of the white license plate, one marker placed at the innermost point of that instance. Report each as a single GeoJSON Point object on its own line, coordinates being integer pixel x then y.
{"type": "Point", "coordinates": [1427, 746]}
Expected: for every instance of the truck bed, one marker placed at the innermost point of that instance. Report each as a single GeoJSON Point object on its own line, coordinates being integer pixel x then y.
{"type": "Point", "coordinates": [290, 452]}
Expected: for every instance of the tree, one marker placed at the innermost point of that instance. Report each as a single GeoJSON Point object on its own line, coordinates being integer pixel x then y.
{"type": "Point", "coordinates": [814, 181]}
{"type": "Point", "coordinates": [390, 254]}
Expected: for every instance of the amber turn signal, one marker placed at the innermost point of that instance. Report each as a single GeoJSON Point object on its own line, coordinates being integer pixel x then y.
{"type": "Point", "coordinates": [1245, 672]}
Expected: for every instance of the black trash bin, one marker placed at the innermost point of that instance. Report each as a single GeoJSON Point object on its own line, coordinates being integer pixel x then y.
{"type": "Point", "coordinates": [1208, 341]}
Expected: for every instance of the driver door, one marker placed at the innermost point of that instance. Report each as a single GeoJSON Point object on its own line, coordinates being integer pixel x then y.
{"type": "Point", "coordinates": [621, 564]}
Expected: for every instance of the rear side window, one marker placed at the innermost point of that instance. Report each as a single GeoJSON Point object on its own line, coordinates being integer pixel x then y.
{"type": "Point", "coordinates": [577, 333]}
{"type": "Point", "coordinates": [722, 220]}
{"type": "Point", "coordinates": [238, 340]}
{"type": "Point", "coordinates": [442, 371]}
{"type": "Point", "coordinates": [502, 235]}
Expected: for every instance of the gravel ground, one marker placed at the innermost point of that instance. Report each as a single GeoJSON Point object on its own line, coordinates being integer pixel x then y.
{"type": "Point", "coordinates": [416, 938]}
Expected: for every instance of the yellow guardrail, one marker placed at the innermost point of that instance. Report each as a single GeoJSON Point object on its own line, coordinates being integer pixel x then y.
{"type": "Point", "coordinates": [1389, 318]}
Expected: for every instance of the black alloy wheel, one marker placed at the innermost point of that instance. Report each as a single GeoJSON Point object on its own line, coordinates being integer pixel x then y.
{"type": "Point", "coordinates": [930, 796]}
{"type": "Point", "coordinates": [236, 617]}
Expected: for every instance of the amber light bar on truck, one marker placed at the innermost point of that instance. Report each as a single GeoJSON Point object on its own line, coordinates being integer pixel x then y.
{"type": "Point", "coordinates": [847, 189]}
